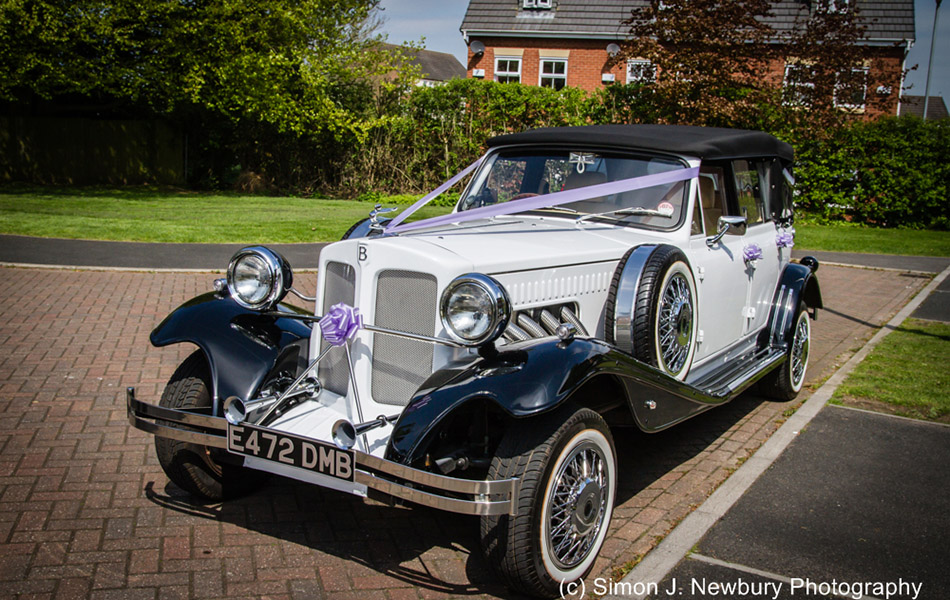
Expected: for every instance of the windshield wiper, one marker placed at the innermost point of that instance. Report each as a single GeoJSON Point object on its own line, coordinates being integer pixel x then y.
{"type": "Point", "coordinates": [626, 212]}
{"type": "Point", "coordinates": [561, 208]}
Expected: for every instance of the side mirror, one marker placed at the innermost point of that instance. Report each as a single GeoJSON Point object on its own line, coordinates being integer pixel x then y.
{"type": "Point", "coordinates": [728, 225]}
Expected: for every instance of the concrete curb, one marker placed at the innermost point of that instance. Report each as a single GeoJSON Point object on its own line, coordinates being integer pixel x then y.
{"type": "Point", "coordinates": [678, 543]}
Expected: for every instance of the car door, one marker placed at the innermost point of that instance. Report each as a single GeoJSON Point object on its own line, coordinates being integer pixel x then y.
{"type": "Point", "coordinates": [719, 270]}
{"type": "Point", "coordinates": [752, 186]}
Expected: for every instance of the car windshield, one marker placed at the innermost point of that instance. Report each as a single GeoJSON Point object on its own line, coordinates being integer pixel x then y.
{"type": "Point", "coordinates": [511, 175]}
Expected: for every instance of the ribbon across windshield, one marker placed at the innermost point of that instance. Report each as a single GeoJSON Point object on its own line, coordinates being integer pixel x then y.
{"type": "Point", "coordinates": [534, 202]}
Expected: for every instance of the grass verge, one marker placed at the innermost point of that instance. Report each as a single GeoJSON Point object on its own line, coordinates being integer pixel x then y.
{"type": "Point", "coordinates": [906, 374]}
{"type": "Point", "coordinates": [151, 214]}
{"type": "Point", "coordinates": [145, 214]}
{"type": "Point", "coordinates": [850, 237]}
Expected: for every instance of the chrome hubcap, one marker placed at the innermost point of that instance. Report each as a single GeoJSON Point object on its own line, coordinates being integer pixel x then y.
{"type": "Point", "coordinates": [800, 351]}
{"type": "Point", "coordinates": [675, 323]}
{"type": "Point", "coordinates": [577, 505]}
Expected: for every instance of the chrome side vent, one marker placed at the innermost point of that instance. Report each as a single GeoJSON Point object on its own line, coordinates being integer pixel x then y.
{"type": "Point", "coordinates": [542, 322]}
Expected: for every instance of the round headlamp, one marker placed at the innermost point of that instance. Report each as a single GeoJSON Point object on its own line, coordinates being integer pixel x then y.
{"type": "Point", "coordinates": [475, 309]}
{"type": "Point", "coordinates": [258, 278]}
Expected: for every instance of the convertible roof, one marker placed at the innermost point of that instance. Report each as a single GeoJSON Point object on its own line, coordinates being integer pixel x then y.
{"type": "Point", "coordinates": [702, 142]}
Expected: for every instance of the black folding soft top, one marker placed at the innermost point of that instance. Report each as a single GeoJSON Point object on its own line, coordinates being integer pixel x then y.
{"type": "Point", "coordinates": [701, 142]}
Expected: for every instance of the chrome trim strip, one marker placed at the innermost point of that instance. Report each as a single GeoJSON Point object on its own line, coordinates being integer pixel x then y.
{"type": "Point", "coordinates": [466, 507]}
{"type": "Point", "coordinates": [137, 408]}
{"type": "Point", "coordinates": [756, 370]}
{"type": "Point", "coordinates": [626, 300]}
{"type": "Point", "coordinates": [434, 480]}
{"type": "Point", "coordinates": [182, 435]}
{"type": "Point", "coordinates": [375, 329]}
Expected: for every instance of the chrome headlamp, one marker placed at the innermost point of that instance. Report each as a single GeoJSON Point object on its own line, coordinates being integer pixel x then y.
{"type": "Point", "coordinates": [475, 309]}
{"type": "Point", "coordinates": [258, 278]}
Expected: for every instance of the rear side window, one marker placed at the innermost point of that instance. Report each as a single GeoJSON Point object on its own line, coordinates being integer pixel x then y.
{"type": "Point", "coordinates": [750, 180]}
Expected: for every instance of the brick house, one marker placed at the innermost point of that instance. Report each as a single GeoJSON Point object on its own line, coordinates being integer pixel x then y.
{"type": "Point", "coordinates": [559, 43]}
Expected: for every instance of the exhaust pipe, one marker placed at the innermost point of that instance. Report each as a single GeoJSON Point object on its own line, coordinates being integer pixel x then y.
{"type": "Point", "coordinates": [345, 433]}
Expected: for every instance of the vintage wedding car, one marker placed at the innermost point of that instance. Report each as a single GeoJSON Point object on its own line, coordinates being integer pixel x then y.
{"type": "Point", "coordinates": [482, 362]}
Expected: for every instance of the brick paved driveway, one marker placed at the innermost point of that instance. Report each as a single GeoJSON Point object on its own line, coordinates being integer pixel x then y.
{"type": "Point", "coordinates": [85, 510]}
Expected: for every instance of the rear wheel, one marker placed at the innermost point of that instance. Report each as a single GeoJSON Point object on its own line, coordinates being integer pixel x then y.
{"type": "Point", "coordinates": [567, 467]}
{"type": "Point", "coordinates": [192, 467]}
{"type": "Point", "coordinates": [787, 380]}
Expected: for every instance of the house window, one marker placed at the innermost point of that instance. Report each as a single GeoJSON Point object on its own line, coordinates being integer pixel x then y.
{"type": "Point", "coordinates": [640, 71]}
{"type": "Point", "coordinates": [543, 4]}
{"type": "Point", "coordinates": [553, 73]}
{"type": "Point", "coordinates": [838, 6]}
{"type": "Point", "coordinates": [851, 88]}
{"type": "Point", "coordinates": [798, 84]}
{"type": "Point", "coordinates": [508, 70]}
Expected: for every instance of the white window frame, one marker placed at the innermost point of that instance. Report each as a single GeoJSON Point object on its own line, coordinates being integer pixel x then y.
{"type": "Point", "coordinates": [789, 87]}
{"type": "Point", "coordinates": [839, 6]}
{"type": "Point", "coordinates": [561, 76]}
{"type": "Point", "coordinates": [508, 73]}
{"type": "Point", "coordinates": [847, 105]}
{"type": "Point", "coordinates": [642, 63]}
{"type": "Point", "coordinates": [543, 4]}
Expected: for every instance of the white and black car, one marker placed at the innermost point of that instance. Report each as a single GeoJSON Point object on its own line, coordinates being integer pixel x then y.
{"type": "Point", "coordinates": [482, 362]}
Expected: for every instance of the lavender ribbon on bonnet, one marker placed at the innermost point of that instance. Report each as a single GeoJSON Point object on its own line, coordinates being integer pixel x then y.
{"type": "Point", "coordinates": [340, 324]}
{"type": "Point", "coordinates": [751, 253]}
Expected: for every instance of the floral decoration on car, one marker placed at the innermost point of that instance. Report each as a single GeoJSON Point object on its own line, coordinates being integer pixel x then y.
{"type": "Point", "coordinates": [785, 239]}
{"type": "Point", "coordinates": [340, 324]}
{"type": "Point", "coordinates": [751, 253]}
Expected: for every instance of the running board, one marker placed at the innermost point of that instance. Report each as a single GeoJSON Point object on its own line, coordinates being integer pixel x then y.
{"type": "Point", "coordinates": [740, 373]}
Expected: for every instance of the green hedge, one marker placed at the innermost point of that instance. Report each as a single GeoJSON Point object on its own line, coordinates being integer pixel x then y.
{"type": "Point", "coordinates": [889, 172]}
{"type": "Point", "coordinates": [892, 172]}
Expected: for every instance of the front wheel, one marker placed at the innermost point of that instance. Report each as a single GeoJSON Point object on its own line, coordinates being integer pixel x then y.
{"type": "Point", "coordinates": [567, 466]}
{"type": "Point", "coordinates": [193, 467]}
{"type": "Point", "coordinates": [786, 381]}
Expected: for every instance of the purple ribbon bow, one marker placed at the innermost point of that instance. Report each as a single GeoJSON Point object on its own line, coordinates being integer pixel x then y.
{"type": "Point", "coordinates": [751, 252]}
{"type": "Point", "coordinates": [784, 239]}
{"type": "Point", "coordinates": [340, 324]}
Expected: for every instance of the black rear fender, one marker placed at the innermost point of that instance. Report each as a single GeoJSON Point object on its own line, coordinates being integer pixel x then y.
{"type": "Point", "coordinates": [797, 284]}
{"type": "Point", "coordinates": [242, 347]}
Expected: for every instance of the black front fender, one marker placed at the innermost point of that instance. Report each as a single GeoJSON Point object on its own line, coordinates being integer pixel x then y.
{"type": "Point", "coordinates": [531, 378]}
{"type": "Point", "coordinates": [241, 346]}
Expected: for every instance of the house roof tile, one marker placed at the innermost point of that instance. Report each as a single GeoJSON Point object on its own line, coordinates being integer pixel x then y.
{"type": "Point", "coordinates": [886, 20]}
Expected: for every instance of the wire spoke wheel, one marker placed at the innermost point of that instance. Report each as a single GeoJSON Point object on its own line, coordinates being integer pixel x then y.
{"type": "Point", "coordinates": [675, 323]}
{"type": "Point", "coordinates": [799, 351]}
{"type": "Point", "coordinates": [577, 505]}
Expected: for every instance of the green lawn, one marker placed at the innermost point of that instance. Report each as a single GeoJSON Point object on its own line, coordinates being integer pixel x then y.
{"type": "Point", "coordinates": [162, 215]}
{"type": "Point", "coordinates": [167, 215]}
{"type": "Point", "coordinates": [906, 374]}
{"type": "Point", "coordinates": [848, 237]}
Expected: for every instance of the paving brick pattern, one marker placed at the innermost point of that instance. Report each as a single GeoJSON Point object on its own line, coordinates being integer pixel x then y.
{"type": "Point", "coordinates": [86, 512]}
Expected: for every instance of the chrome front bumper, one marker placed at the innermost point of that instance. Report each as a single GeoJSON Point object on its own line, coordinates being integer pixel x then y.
{"type": "Point", "coordinates": [394, 479]}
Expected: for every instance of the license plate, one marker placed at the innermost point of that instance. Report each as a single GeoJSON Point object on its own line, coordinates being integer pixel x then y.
{"type": "Point", "coordinates": [291, 450]}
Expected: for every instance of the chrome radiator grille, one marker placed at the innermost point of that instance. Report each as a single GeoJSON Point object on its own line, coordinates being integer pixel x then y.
{"type": "Point", "coordinates": [405, 301]}
{"type": "Point", "coordinates": [340, 287]}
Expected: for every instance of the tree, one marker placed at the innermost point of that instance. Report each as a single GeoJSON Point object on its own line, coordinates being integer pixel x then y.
{"type": "Point", "coordinates": [710, 57]}
{"type": "Point", "coordinates": [271, 61]}
{"type": "Point", "coordinates": [722, 62]}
